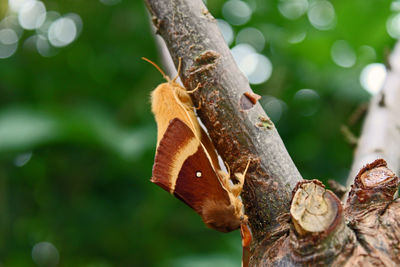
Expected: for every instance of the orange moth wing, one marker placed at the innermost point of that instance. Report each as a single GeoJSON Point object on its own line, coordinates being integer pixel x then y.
{"type": "Point", "coordinates": [186, 163]}
{"type": "Point", "coordinates": [182, 167]}
{"type": "Point", "coordinates": [170, 100]}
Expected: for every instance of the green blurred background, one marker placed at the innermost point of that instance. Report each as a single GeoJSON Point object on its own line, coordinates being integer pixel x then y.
{"type": "Point", "coordinates": [77, 138]}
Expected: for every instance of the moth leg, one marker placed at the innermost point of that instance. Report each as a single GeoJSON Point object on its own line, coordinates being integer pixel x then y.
{"type": "Point", "coordinates": [225, 180]}
{"type": "Point", "coordinates": [195, 89]}
{"type": "Point", "coordinates": [199, 107]}
{"type": "Point", "coordinates": [227, 167]}
{"type": "Point", "coordinates": [236, 189]}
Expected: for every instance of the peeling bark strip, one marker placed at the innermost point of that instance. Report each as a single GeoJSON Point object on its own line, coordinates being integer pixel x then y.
{"type": "Point", "coordinates": [190, 32]}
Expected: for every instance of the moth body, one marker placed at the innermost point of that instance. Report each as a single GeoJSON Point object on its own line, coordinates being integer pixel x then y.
{"type": "Point", "coordinates": [170, 100]}
{"type": "Point", "coordinates": [186, 164]}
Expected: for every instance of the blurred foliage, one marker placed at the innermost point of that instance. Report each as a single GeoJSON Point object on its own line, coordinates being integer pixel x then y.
{"type": "Point", "coordinates": [77, 138]}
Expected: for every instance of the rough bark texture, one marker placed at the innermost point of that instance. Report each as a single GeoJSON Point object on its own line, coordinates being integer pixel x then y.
{"type": "Point", "coordinates": [239, 129]}
{"type": "Point", "coordinates": [365, 233]}
{"type": "Point", "coordinates": [318, 230]}
{"type": "Point", "coordinates": [371, 213]}
{"type": "Point", "coordinates": [380, 136]}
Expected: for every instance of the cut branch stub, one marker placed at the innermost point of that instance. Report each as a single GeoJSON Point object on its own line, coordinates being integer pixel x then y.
{"type": "Point", "coordinates": [372, 215]}
{"type": "Point", "coordinates": [374, 186]}
{"type": "Point", "coordinates": [312, 210]}
{"type": "Point", "coordinates": [320, 233]}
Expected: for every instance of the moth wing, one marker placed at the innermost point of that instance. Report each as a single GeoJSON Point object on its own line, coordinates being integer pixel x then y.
{"type": "Point", "coordinates": [206, 141]}
{"type": "Point", "coordinates": [177, 140]}
{"type": "Point", "coordinates": [183, 168]}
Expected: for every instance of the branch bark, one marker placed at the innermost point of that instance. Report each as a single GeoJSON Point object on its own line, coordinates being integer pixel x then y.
{"type": "Point", "coordinates": [380, 134]}
{"type": "Point", "coordinates": [240, 130]}
{"type": "Point", "coordinates": [318, 231]}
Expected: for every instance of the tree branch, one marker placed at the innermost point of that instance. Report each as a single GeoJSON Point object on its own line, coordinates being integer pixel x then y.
{"type": "Point", "coordinates": [239, 129]}
{"type": "Point", "coordinates": [380, 134]}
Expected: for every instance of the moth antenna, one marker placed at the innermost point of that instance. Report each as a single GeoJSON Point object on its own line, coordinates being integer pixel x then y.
{"type": "Point", "coordinates": [179, 69]}
{"type": "Point", "coordinates": [157, 67]}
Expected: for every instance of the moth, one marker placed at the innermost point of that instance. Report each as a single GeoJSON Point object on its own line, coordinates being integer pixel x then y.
{"type": "Point", "coordinates": [186, 164]}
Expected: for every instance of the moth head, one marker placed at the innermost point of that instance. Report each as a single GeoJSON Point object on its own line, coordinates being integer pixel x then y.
{"type": "Point", "coordinates": [221, 216]}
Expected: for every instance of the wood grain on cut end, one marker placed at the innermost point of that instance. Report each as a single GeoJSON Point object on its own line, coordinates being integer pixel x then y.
{"type": "Point", "coordinates": [313, 209]}
{"type": "Point", "coordinates": [376, 176]}
{"type": "Point", "coordinates": [320, 234]}
{"type": "Point", "coordinates": [375, 183]}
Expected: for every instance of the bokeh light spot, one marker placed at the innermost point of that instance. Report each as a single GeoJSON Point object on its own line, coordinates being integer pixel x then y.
{"type": "Point", "coordinates": [395, 6]}
{"type": "Point", "coordinates": [321, 15]}
{"type": "Point", "coordinates": [62, 32]}
{"type": "Point", "coordinates": [22, 159]}
{"type": "Point", "coordinates": [43, 46]}
{"type": "Point", "coordinates": [226, 30]}
{"type": "Point", "coordinates": [11, 22]}
{"type": "Point", "coordinates": [393, 26]}
{"type": "Point", "coordinates": [343, 54]}
{"type": "Point", "coordinates": [256, 67]}
{"type": "Point", "coordinates": [45, 254]}
{"type": "Point", "coordinates": [16, 5]}
{"type": "Point", "coordinates": [32, 14]}
{"type": "Point", "coordinates": [8, 43]}
{"type": "Point", "coordinates": [236, 12]}
{"type": "Point", "coordinates": [251, 36]}
{"type": "Point", "coordinates": [292, 9]}
{"type": "Point", "coordinates": [273, 107]}
{"type": "Point", "coordinates": [297, 37]}
{"type": "Point", "coordinates": [373, 77]}
{"type": "Point", "coordinates": [240, 51]}
{"type": "Point", "coordinates": [367, 52]}
{"type": "Point", "coordinates": [8, 36]}
{"type": "Point", "coordinates": [307, 101]}
{"type": "Point", "coordinates": [51, 16]}
{"type": "Point", "coordinates": [77, 20]}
